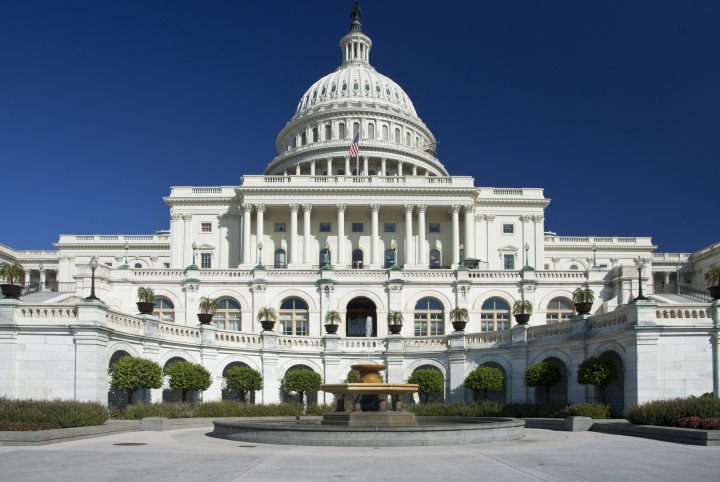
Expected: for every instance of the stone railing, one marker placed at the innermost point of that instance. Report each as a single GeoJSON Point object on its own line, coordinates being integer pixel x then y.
{"type": "Point", "coordinates": [179, 331]}
{"type": "Point", "coordinates": [300, 343]}
{"type": "Point", "coordinates": [47, 312]}
{"type": "Point", "coordinates": [496, 275]}
{"type": "Point", "coordinates": [561, 275]}
{"type": "Point", "coordinates": [346, 181]}
{"type": "Point", "coordinates": [614, 318]}
{"type": "Point", "coordinates": [362, 345]}
{"type": "Point", "coordinates": [366, 274]}
{"type": "Point", "coordinates": [125, 320]}
{"type": "Point", "coordinates": [426, 343]}
{"type": "Point", "coordinates": [550, 329]}
{"type": "Point", "coordinates": [599, 241]}
{"type": "Point", "coordinates": [687, 312]}
{"type": "Point", "coordinates": [489, 337]}
{"type": "Point", "coordinates": [429, 274]}
{"type": "Point", "coordinates": [238, 339]}
{"type": "Point", "coordinates": [204, 191]}
{"type": "Point", "coordinates": [161, 239]}
{"type": "Point", "coordinates": [159, 273]}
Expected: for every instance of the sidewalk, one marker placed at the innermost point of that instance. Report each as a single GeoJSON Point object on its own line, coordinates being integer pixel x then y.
{"type": "Point", "coordinates": [189, 455]}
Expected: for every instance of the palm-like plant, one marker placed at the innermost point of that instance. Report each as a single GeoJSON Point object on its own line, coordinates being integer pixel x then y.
{"type": "Point", "coordinates": [267, 314]}
{"type": "Point", "coordinates": [208, 305]}
{"type": "Point", "coordinates": [713, 276]}
{"type": "Point", "coordinates": [459, 314]}
{"type": "Point", "coordinates": [12, 273]}
{"type": "Point", "coordinates": [522, 307]}
{"type": "Point", "coordinates": [395, 318]}
{"type": "Point", "coordinates": [583, 295]}
{"type": "Point", "coordinates": [145, 295]}
{"type": "Point", "coordinates": [332, 317]}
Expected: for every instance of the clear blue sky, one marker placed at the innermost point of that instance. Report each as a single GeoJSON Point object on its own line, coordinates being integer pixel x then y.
{"type": "Point", "coordinates": [613, 107]}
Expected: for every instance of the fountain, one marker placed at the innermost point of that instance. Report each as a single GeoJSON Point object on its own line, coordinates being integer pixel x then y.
{"type": "Point", "coordinates": [371, 423]}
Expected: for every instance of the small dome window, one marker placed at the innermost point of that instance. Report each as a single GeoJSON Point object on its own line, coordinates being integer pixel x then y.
{"type": "Point", "coordinates": [387, 90]}
{"type": "Point", "coordinates": [323, 91]}
{"type": "Point", "coordinates": [367, 87]}
{"type": "Point", "coordinates": [377, 88]}
{"type": "Point", "coordinates": [356, 86]}
{"type": "Point", "coordinates": [396, 95]}
{"type": "Point", "coordinates": [314, 94]}
{"type": "Point", "coordinates": [344, 86]}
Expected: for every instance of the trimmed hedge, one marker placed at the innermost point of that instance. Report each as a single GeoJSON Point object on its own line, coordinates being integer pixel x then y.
{"type": "Point", "coordinates": [218, 409]}
{"type": "Point", "coordinates": [667, 413]}
{"type": "Point", "coordinates": [25, 414]}
{"type": "Point", "coordinates": [514, 410]}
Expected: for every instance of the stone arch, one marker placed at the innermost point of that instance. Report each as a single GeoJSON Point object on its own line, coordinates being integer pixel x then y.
{"type": "Point", "coordinates": [356, 313]}
{"type": "Point", "coordinates": [176, 300]}
{"type": "Point", "coordinates": [312, 397]}
{"type": "Point", "coordinates": [118, 398]}
{"type": "Point", "coordinates": [433, 397]}
{"type": "Point", "coordinates": [143, 263]}
{"type": "Point", "coordinates": [501, 363]}
{"type": "Point", "coordinates": [543, 302]}
{"type": "Point", "coordinates": [437, 294]}
{"type": "Point", "coordinates": [241, 298]}
{"type": "Point", "coordinates": [294, 293]}
{"type": "Point", "coordinates": [361, 293]}
{"type": "Point", "coordinates": [503, 295]}
{"type": "Point", "coordinates": [424, 362]}
{"type": "Point", "coordinates": [614, 393]}
{"type": "Point", "coordinates": [234, 395]}
{"type": "Point", "coordinates": [581, 265]}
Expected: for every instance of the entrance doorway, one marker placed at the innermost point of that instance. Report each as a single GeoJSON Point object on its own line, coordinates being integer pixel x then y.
{"type": "Point", "coordinates": [358, 311]}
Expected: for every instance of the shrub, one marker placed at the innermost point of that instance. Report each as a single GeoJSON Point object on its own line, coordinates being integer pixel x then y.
{"type": "Point", "coordinates": [45, 414]}
{"type": "Point", "coordinates": [302, 381]}
{"type": "Point", "coordinates": [244, 380]}
{"type": "Point", "coordinates": [701, 423]}
{"type": "Point", "coordinates": [186, 377]}
{"type": "Point", "coordinates": [667, 412]}
{"type": "Point", "coordinates": [218, 409]}
{"type": "Point", "coordinates": [543, 375]}
{"type": "Point", "coordinates": [592, 410]}
{"type": "Point", "coordinates": [131, 374]}
{"type": "Point", "coordinates": [484, 378]}
{"type": "Point", "coordinates": [429, 381]}
{"type": "Point", "coordinates": [597, 371]}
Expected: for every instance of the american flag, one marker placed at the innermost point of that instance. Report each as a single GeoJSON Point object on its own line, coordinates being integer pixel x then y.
{"type": "Point", "coordinates": [354, 146]}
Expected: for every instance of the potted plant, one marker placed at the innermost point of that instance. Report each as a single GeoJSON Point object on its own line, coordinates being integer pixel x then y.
{"type": "Point", "coordinates": [583, 299]}
{"type": "Point", "coordinates": [13, 274]}
{"type": "Point", "coordinates": [395, 321]}
{"type": "Point", "coordinates": [267, 318]}
{"type": "Point", "coordinates": [208, 307]}
{"type": "Point", "coordinates": [332, 321]}
{"type": "Point", "coordinates": [713, 280]}
{"type": "Point", "coordinates": [459, 318]}
{"type": "Point", "coordinates": [522, 309]}
{"type": "Point", "coordinates": [146, 299]}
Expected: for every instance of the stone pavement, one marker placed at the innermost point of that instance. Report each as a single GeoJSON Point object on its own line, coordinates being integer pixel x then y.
{"type": "Point", "coordinates": [189, 455]}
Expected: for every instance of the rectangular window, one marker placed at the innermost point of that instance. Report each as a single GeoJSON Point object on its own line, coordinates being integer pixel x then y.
{"type": "Point", "coordinates": [547, 266]}
{"type": "Point", "coordinates": [434, 228]}
{"type": "Point", "coordinates": [108, 264]}
{"type": "Point", "coordinates": [167, 265]}
{"type": "Point", "coordinates": [205, 260]}
{"type": "Point", "coordinates": [280, 228]}
{"type": "Point", "coordinates": [508, 228]}
{"type": "Point", "coordinates": [357, 227]}
{"type": "Point", "coordinates": [325, 227]}
{"type": "Point", "coordinates": [602, 266]}
{"type": "Point", "coordinates": [389, 227]}
{"type": "Point", "coordinates": [206, 227]}
{"type": "Point", "coordinates": [509, 261]}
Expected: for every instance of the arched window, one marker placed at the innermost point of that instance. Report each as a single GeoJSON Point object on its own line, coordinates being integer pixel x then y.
{"type": "Point", "coordinates": [434, 258]}
{"type": "Point", "coordinates": [559, 309]}
{"type": "Point", "coordinates": [280, 258]}
{"type": "Point", "coordinates": [357, 258]}
{"type": "Point", "coordinates": [371, 131]}
{"type": "Point", "coordinates": [325, 259]}
{"type": "Point", "coordinates": [389, 257]}
{"type": "Point", "coordinates": [397, 136]}
{"type": "Point", "coordinates": [164, 309]}
{"type": "Point", "coordinates": [495, 315]}
{"type": "Point", "coordinates": [341, 172]}
{"type": "Point", "coordinates": [138, 266]}
{"type": "Point", "coordinates": [573, 266]}
{"type": "Point", "coordinates": [314, 134]}
{"type": "Point", "coordinates": [356, 128]}
{"type": "Point", "coordinates": [294, 319]}
{"type": "Point", "coordinates": [429, 317]}
{"type": "Point", "coordinates": [227, 316]}
{"type": "Point", "coordinates": [328, 132]}
{"type": "Point", "coordinates": [407, 139]}
{"type": "Point", "coordinates": [385, 134]}
{"type": "Point", "coordinates": [303, 138]}
{"type": "Point", "coordinates": [341, 130]}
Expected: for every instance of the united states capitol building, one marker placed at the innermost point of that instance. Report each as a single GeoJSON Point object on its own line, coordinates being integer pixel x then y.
{"type": "Point", "coordinates": [388, 229]}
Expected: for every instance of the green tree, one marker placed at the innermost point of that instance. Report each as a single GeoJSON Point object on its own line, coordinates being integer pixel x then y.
{"type": "Point", "coordinates": [302, 381]}
{"type": "Point", "coordinates": [484, 378]}
{"type": "Point", "coordinates": [186, 377]}
{"type": "Point", "coordinates": [131, 374]}
{"type": "Point", "coordinates": [244, 380]}
{"type": "Point", "coordinates": [597, 371]}
{"type": "Point", "coordinates": [543, 375]}
{"type": "Point", "coordinates": [429, 381]}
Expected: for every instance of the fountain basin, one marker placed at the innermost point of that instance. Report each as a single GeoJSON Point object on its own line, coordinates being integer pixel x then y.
{"type": "Point", "coordinates": [440, 431]}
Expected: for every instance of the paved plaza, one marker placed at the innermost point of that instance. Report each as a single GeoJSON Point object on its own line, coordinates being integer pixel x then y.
{"type": "Point", "coordinates": [189, 455]}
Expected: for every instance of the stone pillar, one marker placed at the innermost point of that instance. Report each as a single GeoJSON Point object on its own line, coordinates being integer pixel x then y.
{"type": "Point", "coordinates": [409, 241]}
{"type": "Point", "coordinates": [329, 166]}
{"type": "Point", "coordinates": [715, 309]}
{"type": "Point", "coordinates": [297, 169]}
{"type": "Point", "coordinates": [188, 237]}
{"type": "Point", "coordinates": [422, 259]}
{"type": "Point", "coordinates": [293, 233]}
{"type": "Point", "coordinates": [456, 375]}
{"type": "Point", "coordinates": [365, 166]}
{"type": "Point", "coordinates": [177, 241]}
{"type": "Point", "coordinates": [312, 167]}
{"type": "Point", "coordinates": [519, 393]}
{"type": "Point", "coordinates": [527, 234]}
{"type": "Point", "coordinates": [538, 248]}
{"type": "Point", "coordinates": [42, 280]}
{"type": "Point", "coordinates": [340, 260]}
{"type": "Point", "coordinates": [375, 256]}
{"type": "Point", "coordinates": [271, 383]}
{"type": "Point", "coordinates": [400, 168]}
{"type": "Point", "coordinates": [489, 231]}
{"type": "Point", "coordinates": [331, 362]}
{"type": "Point", "coordinates": [469, 210]}
{"type": "Point", "coordinates": [414, 170]}
{"type": "Point", "coordinates": [91, 361]}
{"type": "Point", "coordinates": [307, 209]}
{"type": "Point", "coordinates": [9, 378]}
{"type": "Point", "coordinates": [383, 166]}
{"type": "Point", "coordinates": [455, 209]}
{"type": "Point", "coordinates": [260, 223]}
{"type": "Point", "coordinates": [247, 210]}
{"type": "Point", "coordinates": [347, 165]}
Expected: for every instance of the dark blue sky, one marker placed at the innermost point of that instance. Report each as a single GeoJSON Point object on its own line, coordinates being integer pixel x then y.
{"type": "Point", "coordinates": [612, 107]}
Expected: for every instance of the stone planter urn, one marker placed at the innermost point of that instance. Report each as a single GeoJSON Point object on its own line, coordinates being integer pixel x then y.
{"type": "Point", "coordinates": [205, 318]}
{"type": "Point", "coordinates": [145, 308]}
{"type": "Point", "coordinates": [11, 291]}
{"type": "Point", "coordinates": [267, 325]}
{"type": "Point", "coordinates": [583, 308]}
{"type": "Point", "coordinates": [331, 328]}
{"type": "Point", "coordinates": [394, 329]}
{"type": "Point", "coordinates": [522, 318]}
{"type": "Point", "coordinates": [714, 292]}
{"type": "Point", "coordinates": [459, 325]}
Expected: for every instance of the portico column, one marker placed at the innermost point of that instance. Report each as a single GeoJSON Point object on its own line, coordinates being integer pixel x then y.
{"type": "Point", "coordinates": [293, 231]}
{"type": "Point", "coordinates": [383, 165]}
{"type": "Point", "coordinates": [260, 210]}
{"type": "Point", "coordinates": [414, 170]}
{"type": "Point", "coordinates": [297, 169]}
{"type": "Point", "coordinates": [421, 257]}
{"type": "Point", "coordinates": [409, 261]}
{"type": "Point", "coordinates": [400, 168]}
{"type": "Point", "coordinates": [329, 166]}
{"type": "Point", "coordinates": [340, 260]}
{"type": "Point", "coordinates": [469, 211]}
{"type": "Point", "coordinates": [365, 166]}
{"type": "Point", "coordinates": [307, 209]}
{"type": "Point", "coordinates": [42, 280]}
{"type": "Point", "coordinates": [247, 210]}
{"type": "Point", "coordinates": [347, 165]}
{"type": "Point", "coordinates": [312, 167]}
{"type": "Point", "coordinates": [374, 251]}
{"type": "Point", "coordinates": [455, 208]}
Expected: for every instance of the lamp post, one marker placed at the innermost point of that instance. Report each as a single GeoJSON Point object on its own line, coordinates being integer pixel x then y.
{"type": "Point", "coordinates": [127, 246]}
{"type": "Point", "coordinates": [40, 278]}
{"type": "Point", "coordinates": [93, 267]}
{"type": "Point", "coordinates": [639, 265]}
{"type": "Point", "coordinates": [594, 249]}
{"type": "Point", "coordinates": [527, 259]}
{"type": "Point", "coordinates": [260, 247]}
